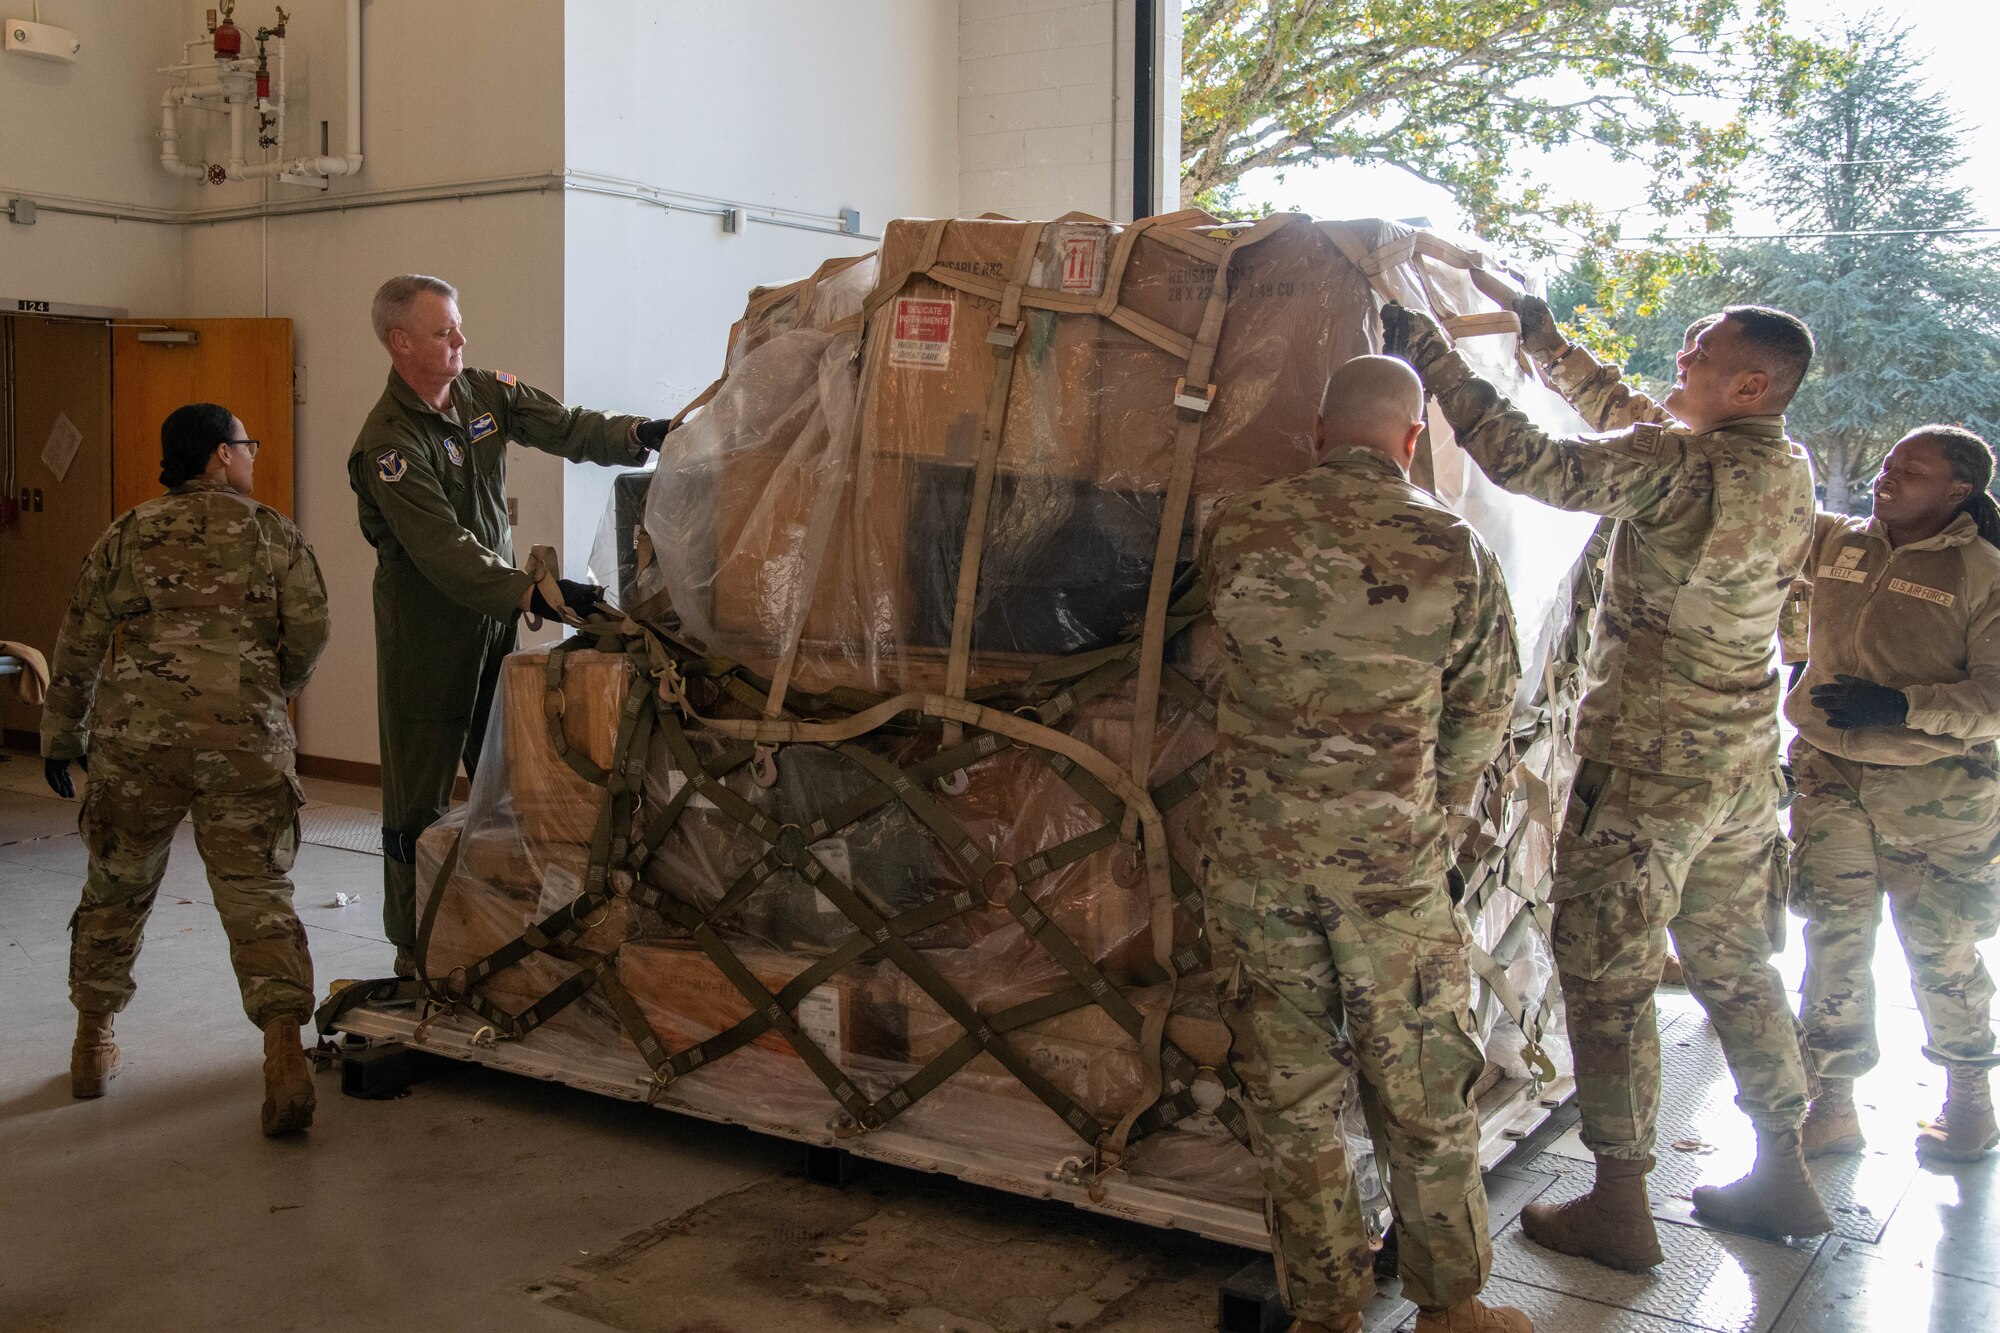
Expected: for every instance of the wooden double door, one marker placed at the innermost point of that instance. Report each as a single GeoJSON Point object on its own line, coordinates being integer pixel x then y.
{"type": "Point", "coordinates": [81, 402]}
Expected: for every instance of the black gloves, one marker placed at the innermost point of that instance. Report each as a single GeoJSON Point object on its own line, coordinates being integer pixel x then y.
{"type": "Point", "coordinates": [1851, 703]}
{"type": "Point", "coordinates": [652, 432]}
{"type": "Point", "coordinates": [582, 599]}
{"type": "Point", "coordinates": [1412, 335]}
{"type": "Point", "coordinates": [1538, 325]}
{"type": "Point", "coordinates": [56, 772]}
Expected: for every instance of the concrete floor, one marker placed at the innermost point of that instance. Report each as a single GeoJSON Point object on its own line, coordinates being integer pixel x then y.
{"type": "Point", "coordinates": [161, 1206]}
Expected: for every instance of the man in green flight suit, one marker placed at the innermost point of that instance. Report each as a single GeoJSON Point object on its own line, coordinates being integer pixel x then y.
{"type": "Point", "coordinates": [430, 471]}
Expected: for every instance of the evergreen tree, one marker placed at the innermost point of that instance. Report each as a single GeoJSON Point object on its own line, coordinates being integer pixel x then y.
{"type": "Point", "coordinates": [1904, 311]}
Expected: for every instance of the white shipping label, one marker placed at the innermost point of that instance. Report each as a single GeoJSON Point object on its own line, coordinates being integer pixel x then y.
{"type": "Point", "coordinates": [61, 448]}
{"type": "Point", "coordinates": [818, 1016]}
{"type": "Point", "coordinates": [922, 333]}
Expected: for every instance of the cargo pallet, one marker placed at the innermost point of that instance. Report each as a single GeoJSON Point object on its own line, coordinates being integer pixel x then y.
{"type": "Point", "coordinates": [1509, 1112]}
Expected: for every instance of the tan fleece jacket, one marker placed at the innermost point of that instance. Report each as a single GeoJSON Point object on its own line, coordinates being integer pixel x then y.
{"type": "Point", "coordinates": [1922, 618]}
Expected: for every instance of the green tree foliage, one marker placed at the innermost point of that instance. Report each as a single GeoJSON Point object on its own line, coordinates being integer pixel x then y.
{"type": "Point", "coordinates": [1467, 94]}
{"type": "Point", "coordinates": [1905, 311]}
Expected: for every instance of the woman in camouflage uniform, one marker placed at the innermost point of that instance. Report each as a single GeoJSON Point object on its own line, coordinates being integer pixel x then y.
{"type": "Point", "coordinates": [197, 618]}
{"type": "Point", "coordinates": [1899, 788]}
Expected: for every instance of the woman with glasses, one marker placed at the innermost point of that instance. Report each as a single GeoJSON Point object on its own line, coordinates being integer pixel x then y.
{"type": "Point", "coordinates": [196, 619]}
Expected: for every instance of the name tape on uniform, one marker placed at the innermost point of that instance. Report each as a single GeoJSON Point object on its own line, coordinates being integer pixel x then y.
{"type": "Point", "coordinates": [1936, 596]}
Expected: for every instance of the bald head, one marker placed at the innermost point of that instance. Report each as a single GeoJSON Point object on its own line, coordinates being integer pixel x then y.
{"type": "Point", "coordinates": [1376, 402]}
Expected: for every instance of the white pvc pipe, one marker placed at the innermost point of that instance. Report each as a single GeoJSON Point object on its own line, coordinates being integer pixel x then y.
{"type": "Point", "coordinates": [350, 162]}
{"type": "Point", "coordinates": [170, 137]}
{"type": "Point", "coordinates": [346, 164]}
{"type": "Point", "coordinates": [238, 110]}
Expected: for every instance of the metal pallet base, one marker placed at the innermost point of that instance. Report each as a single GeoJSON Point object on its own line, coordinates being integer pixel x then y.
{"type": "Point", "coordinates": [1512, 1115]}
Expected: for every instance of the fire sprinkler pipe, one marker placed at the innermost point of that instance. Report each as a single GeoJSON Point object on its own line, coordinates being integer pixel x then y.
{"type": "Point", "coordinates": [345, 164]}
{"type": "Point", "coordinates": [236, 90]}
{"type": "Point", "coordinates": [170, 137]}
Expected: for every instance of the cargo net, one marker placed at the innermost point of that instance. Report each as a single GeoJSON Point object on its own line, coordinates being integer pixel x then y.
{"type": "Point", "coordinates": [879, 806]}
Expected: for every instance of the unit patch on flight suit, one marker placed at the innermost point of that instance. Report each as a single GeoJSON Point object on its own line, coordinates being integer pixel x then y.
{"type": "Point", "coordinates": [454, 453]}
{"type": "Point", "coordinates": [390, 465]}
{"type": "Point", "coordinates": [480, 428]}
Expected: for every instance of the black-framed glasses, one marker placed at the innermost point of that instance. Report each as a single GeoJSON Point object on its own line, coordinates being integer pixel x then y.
{"type": "Point", "coordinates": [251, 445]}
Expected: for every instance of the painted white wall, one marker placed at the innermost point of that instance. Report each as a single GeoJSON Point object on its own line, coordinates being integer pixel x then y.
{"type": "Point", "coordinates": [766, 104]}
{"type": "Point", "coordinates": [505, 257]}
{"type": "Point", "coordinates": [490, 109]}
{"type": "Point", "coordinates": [86, 131]}
{"type": "Point", "coordinates": [1037, 80]}
{"type": "Point", "coordinates": [1045, 107]}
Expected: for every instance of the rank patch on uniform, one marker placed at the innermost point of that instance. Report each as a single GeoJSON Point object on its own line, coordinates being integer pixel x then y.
{"type": "Point", "coordinates": [391, 465]}
{"type": "Point", "coordinates": [454, 453]}
{"type": "Point", "coordinates": [504, 376]}
{"type": "Point", "coordinates": [1937, 596]}
{"type": "Point", "coordinates": [481, 428]}
{"type": "Point", "coordinates": [1850, 556]}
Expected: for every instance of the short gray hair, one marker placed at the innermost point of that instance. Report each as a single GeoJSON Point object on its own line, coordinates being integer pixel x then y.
{"type": "Point", "coordinates": [394, 297]}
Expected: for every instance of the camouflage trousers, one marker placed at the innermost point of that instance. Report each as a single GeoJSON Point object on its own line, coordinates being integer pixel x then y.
{"type": "Point", "coordinates": [1924, 837]}
{"type": "Point", "coordinates": [1319, 983]}
{"type": "Point", "coordinates": [245, 808]}
{"type": "Point", "coordinates": [1643, 855]}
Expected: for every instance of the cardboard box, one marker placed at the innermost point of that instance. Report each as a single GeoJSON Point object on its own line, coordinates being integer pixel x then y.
{"type": "Point", "coordinates": [498, 887]}
{"type": "Point", "coordinates": [1084, 1052]}
{"type": "Point", "coordinates": [553, 802]}
{"type": "Point", "coordinates": [687, 999]}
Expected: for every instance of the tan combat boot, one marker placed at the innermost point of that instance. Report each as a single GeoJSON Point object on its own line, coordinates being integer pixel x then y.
{"type": "Point", "coordinates": [1966, 1131]}
{"type": "Point", "coordinates": [1472, 1316]}
{"type": "Point", "coordinates": [1670, 972]}
{"type": "Point", "coordinates": [1613, 1224]}
{"type": "Point", "coordinates": [288, 1087]}
{"type": "Point", "coordinates": [93, 1060]}
{"type": "Point", "coordinates": [405, 964]}
{"type": "Point", "coordinates": [1777, 1198]}
{"type": "Point", "coordinates": [1832, 1127]}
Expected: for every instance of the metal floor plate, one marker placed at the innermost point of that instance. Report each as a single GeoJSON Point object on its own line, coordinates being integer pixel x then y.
{"type": "Point", "coordinates": [1555, 1312]}
{"type": "Point", "coordinates": [1717, 1144]}
{"type": "Point", "coordinates": [344, 826]}
{"type": "Point", "coordinates": [1712, 1280]}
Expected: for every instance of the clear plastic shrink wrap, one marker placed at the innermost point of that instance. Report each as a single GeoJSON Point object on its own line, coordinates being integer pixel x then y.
{"type": "Point", "coordinates": [945, 920]}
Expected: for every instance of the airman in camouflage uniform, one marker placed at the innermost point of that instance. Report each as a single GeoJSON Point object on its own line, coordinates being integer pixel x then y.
{"type": "Point", "coordinates": [198, 616]}
{"type": "Point", "coordinates": [1899, 783]}
{"type": "Point", "coordinates": [1371, 677]}
{"type": "Point", "coordinates": [1672, 823]}
{"type": "Point", "coordinates": [1601, 397]}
